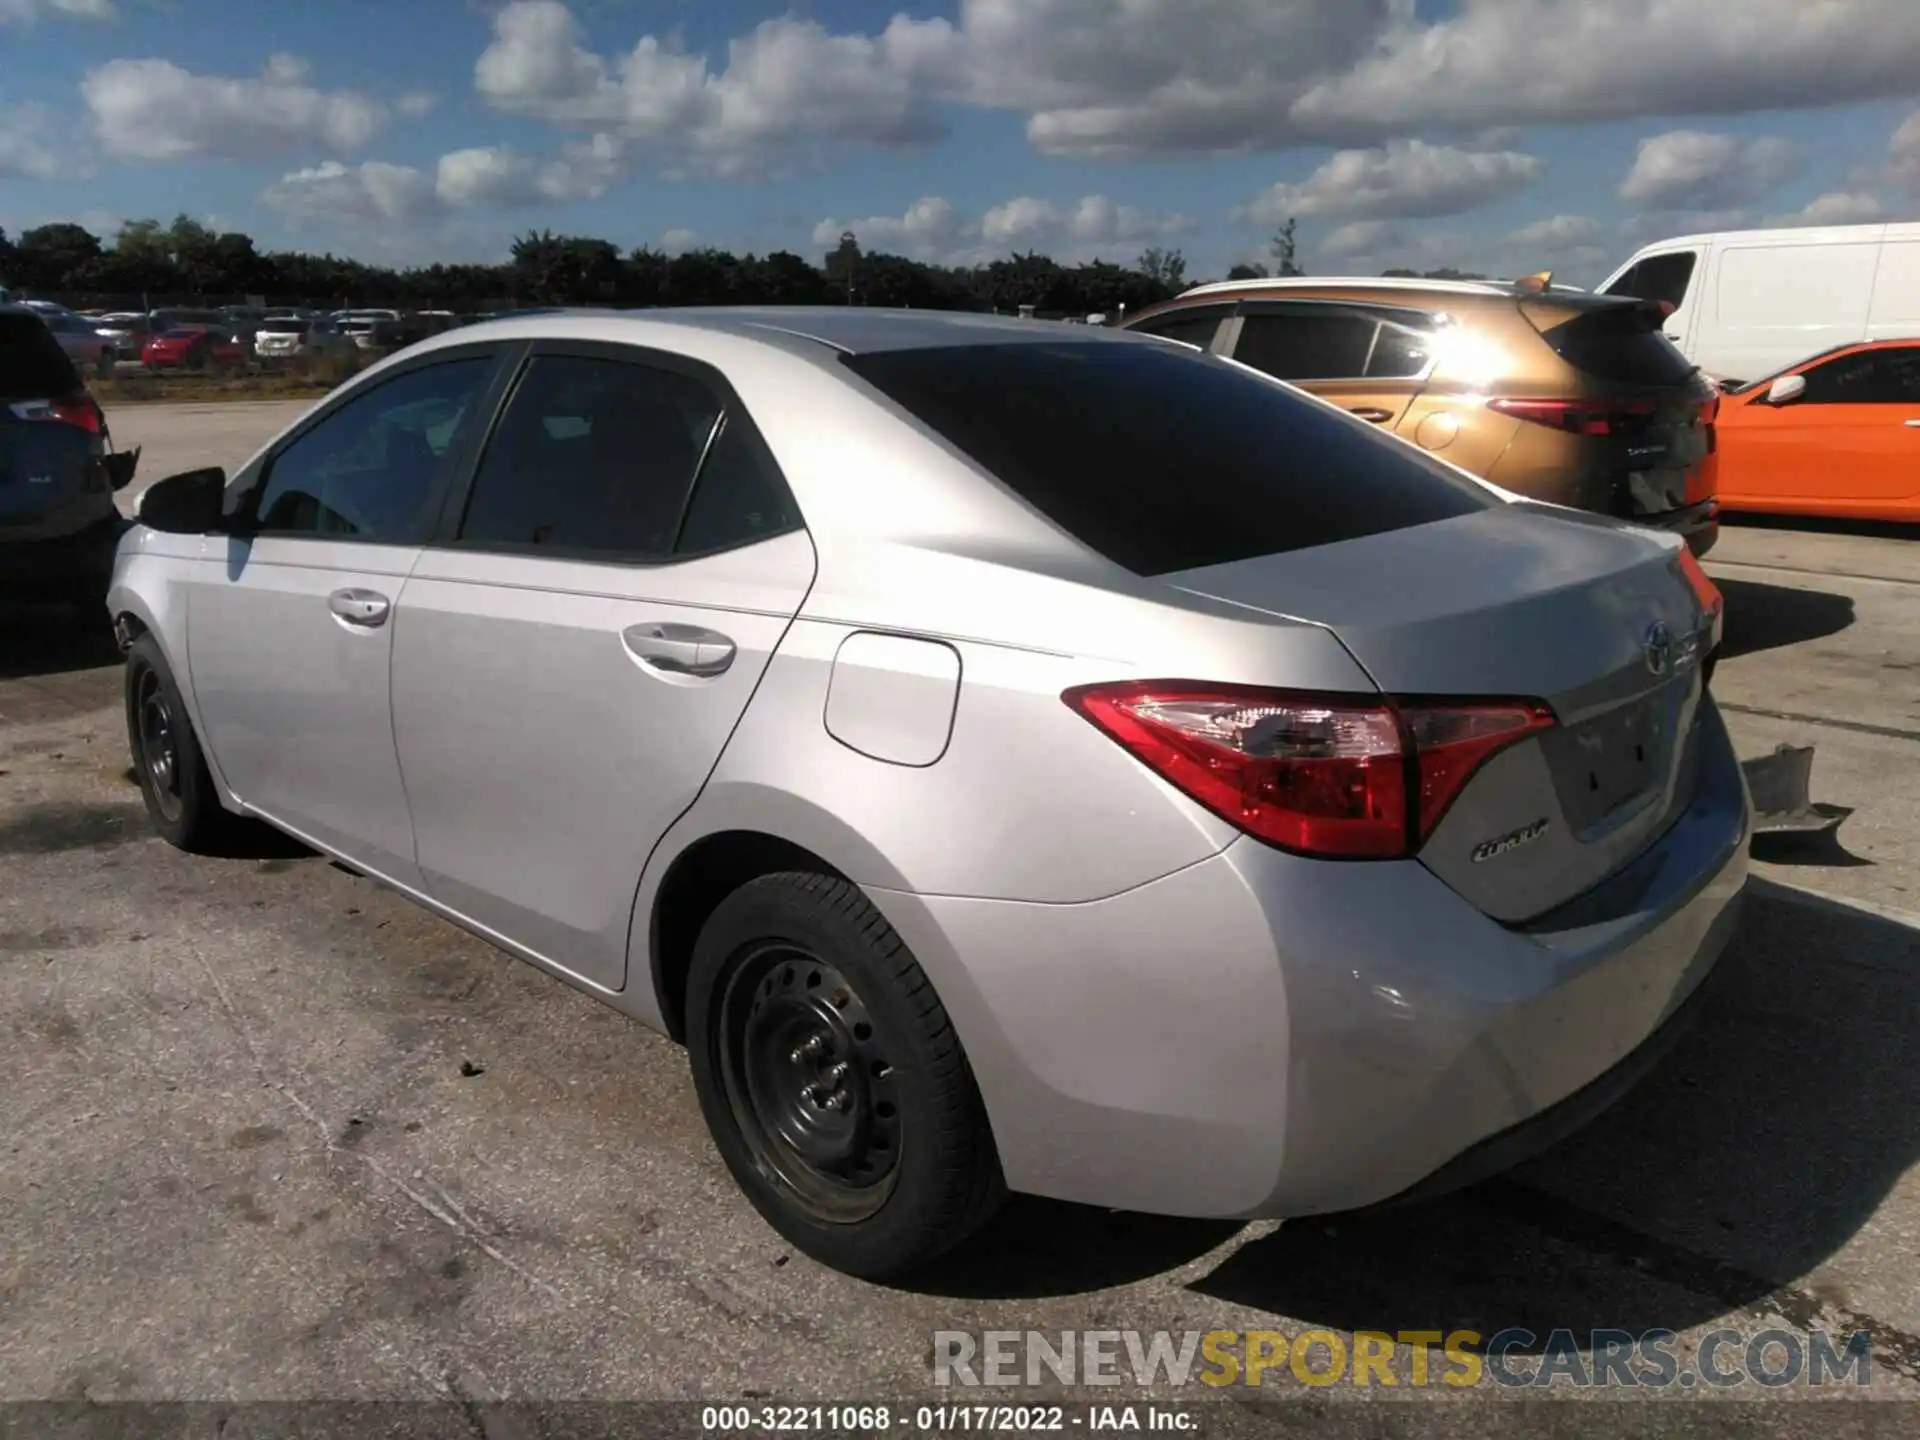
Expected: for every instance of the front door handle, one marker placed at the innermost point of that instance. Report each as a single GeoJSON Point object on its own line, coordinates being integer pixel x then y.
{"type": "Point", "coordinates": [368, 608]}
{"type": "Point", "coordinates": [1377, 416]}
{"type": "Point", "coordinates": [679, 649]}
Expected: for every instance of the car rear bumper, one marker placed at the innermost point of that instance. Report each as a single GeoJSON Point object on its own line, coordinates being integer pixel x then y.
{"type": "Point", "coordinates": [1265, 1035]}
{"type": "Point", "coordinates": [61, 565]}
{"type": "Point", "coordinates": [1698, 524]}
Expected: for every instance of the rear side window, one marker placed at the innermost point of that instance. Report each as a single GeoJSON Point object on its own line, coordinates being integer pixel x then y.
{"type": "Point", "coordinates": [1193, 327]}
{"type": "Point", "coordinates": [1307, 344]}
{"type": "Point", "coordinates": [32, 364]}
{"type": "Point", "coordinates": [593, 457]}
{"type": "Point", "coordinates": [1658, 278]}
{"type": "Point", "coordinates": [1615, 342]}
{"type": "Point", "coordinates": [1162, 460]}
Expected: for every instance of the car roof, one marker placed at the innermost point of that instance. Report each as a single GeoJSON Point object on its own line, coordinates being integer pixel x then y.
{"type": "Point", "coordinates": [852, 330]}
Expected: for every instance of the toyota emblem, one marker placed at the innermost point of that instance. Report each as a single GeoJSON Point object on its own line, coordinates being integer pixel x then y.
{"type": "Point", "coordinates": [1657, 647]}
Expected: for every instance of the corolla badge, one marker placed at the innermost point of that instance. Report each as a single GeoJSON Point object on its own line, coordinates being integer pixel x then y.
{"type": "Point", "coordinates": [1500, 844]}
{"type": "Point", "coordinates": [1656, 647]}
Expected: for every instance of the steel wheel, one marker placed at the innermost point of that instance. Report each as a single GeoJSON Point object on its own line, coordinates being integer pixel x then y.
{"type": "Point", "coordinates": [809, 1083]}
{"type": "Point", "coordinates": [159, 744]}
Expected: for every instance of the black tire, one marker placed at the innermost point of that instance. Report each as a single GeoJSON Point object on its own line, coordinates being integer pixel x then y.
{"type": "Point", "coordinates": [903, 1168]}
{"type": "Point", "coordinates": [167, 759]}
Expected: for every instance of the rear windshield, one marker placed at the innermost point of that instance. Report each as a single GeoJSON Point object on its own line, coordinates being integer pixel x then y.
{"type": "Point", "coordinates": [32, 364]}
{"type": "Point", "coordinates": [1162, 459]}
{"type": "Point", "coordinates": [1612, 340]}
{"type": "Point", "coordinates": [284, 327]}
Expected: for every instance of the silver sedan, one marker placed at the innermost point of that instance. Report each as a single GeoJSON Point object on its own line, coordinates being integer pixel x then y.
{"type": "Point", "coordinates": [1009, 757]}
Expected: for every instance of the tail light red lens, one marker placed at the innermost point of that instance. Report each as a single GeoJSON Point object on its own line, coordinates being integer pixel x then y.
{"type": "Point", "coordinates": [80, 411]}
{"type": "Point", "coordinates": [1579, 417]}
{"type": "Point", "coordinates": [1333, 776]}
{"type": "Point", "coordinates": [1712, 603]}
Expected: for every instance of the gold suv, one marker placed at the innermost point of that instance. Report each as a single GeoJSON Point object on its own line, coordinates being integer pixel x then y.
{"type": "Point", "coordinates": [1548, 392]}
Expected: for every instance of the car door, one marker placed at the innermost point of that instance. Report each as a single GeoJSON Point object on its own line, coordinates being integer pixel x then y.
{"type": "Point", "coordinates": [290, 617]}
{"type": "Point", "coordinates": [576, 652]}
{"type": "Point", "coordinates": [1366, 363]}
{"type": "Point", "coordinates": [1852, 437]}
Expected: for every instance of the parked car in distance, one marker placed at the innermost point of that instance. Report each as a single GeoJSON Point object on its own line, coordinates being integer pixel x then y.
{"type": "Point", "coordinates": [1745, 303]}
{"type": "Point", "coordinates": [1837, 434]}
{"type": "Point", "coordinates": [193, 347]}
{"type": "Point", "coordinates": [127, 329]}
{"type": "Point", "coordinates": [59, 525]}
{"type": "Point", "coordinates": [1554, 394]}
{"type": "Point", "coordinates": [1414, 867]}
{"type": "Point", "coordinates": [93, 352]}
{"type": "Point", "coordinates": [300, 339]}
{"type": "Point", "coordinates": [174, 319]}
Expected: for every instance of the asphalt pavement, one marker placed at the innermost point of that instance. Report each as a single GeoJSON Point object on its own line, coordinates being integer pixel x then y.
{"type": "Point", "coordinates": [273, 1133]}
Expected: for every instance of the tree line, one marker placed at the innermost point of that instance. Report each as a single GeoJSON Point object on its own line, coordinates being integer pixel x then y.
{"type": "Point", "coordinates": [150, 264]}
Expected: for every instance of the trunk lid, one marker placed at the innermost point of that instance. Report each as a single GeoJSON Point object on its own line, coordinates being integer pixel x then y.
{"type": "Point", "coordinates": [1523, 602]}
{"type": "Point", "coordinates": [1654, 427]}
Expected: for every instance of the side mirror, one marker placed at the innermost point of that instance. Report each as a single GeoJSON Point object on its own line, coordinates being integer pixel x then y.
{"type": "Point", "coordinates": [1786, 390]}
{"type": "Point", "coordinates": [184, 504]}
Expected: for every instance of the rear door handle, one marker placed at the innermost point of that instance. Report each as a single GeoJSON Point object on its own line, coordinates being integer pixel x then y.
{"type": "Point", "coordinates": [367, 608]}
{"type": "Point", "coordinates": [679, 649]}
{"type": "Point", "coordinates": [1369, 413]}
{"type": "Point", "coordinates": [1913, 424]}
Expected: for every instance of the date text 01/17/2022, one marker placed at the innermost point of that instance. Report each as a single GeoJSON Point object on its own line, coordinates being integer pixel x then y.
{"type": "Point", "coordinates": [946, 1419]}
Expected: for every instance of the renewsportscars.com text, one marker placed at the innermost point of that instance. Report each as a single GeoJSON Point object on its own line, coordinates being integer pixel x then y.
{"type": "Point", "coordinates": [1414, 1359]}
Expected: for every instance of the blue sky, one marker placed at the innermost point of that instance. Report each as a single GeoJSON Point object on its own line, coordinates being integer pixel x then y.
{"type": "Point", "coordinates": [1490, 134]}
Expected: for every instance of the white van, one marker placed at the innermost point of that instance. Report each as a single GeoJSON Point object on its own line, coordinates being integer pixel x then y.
{"type": "Point", "coordinates": [1749, 302]}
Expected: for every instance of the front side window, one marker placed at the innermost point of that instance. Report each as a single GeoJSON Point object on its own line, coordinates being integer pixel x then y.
{"type": "Point", "coordinates": [1866, 377]}
{"type": "Point", "coordinates": [366, 472]}
{"type": "Point", "coordinates": [593, 457]}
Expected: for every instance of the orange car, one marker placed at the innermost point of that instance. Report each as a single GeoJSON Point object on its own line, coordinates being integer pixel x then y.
{"type": "Point", "coordinates": [1837, 434]}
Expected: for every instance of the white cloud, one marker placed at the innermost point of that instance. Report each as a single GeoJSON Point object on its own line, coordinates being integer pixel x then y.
{"type": "Point", "coordinates": [416, 103]}
{"type": "Point", "coordinates": [1836, 207]}
{"type": "Point", "coordinates": [679, 241]}
{"type": "Point", "coordinates": [26, 12]}
{"type": "Point", "coordinates": [1403, 179]}
{"type": "Point", "coordinates": [154, 110]}
{"type": "Point", "coordinates": [28, 144]}
{"type": "Point", "coordinates": [787, 87]}
{"type": "Point", "coordinates": [1558, 234]}
{"type": "Point", "coordinates": [1903, 154]}
{"type": "Point", "coordinates": [1092, 220]}
{"type": "Point", "coordinates": [1638, 230]}
{"type": "Point", "coordinates": [484, 177]}
{"type": "Point", "coordinates": [335, 194]}
{"type": "Point", "coordinates": [1698, 170]}
{"type": "Point", "coordinates": [1526, 61]}
{"type": "Point", "coordinates": [933, 229]}
{"type": "Point", "coordinates": [1361, 237]}
{"type": "Point", "coordinates": [930, 227]}
{"type": "Point", "coordinates": [1163, 77]}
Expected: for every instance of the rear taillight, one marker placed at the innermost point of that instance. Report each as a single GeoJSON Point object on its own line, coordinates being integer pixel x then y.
{"type": "Point", "coordinates": [79, 411]}
{"type": "Point", "coordinates": [1318, 775]}
{"type": "Point", "coordinates": [1580, 417]}
{"type": "Point", "coordinates": [1712, 603]}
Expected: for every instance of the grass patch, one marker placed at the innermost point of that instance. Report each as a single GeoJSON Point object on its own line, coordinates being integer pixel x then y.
{"type": "Point", "coordinates": [132, 387]}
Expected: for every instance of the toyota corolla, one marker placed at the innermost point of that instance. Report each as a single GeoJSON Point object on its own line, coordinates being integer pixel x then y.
{"type": "Point", "coordinates": [1009, 758]}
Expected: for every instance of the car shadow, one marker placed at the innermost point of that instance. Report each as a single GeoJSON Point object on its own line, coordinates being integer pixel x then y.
{"type": "Point", "coordinates": [1755, 1151]}
{"type": "Point", "coordinates": [1036, 1248]}
{"type": "Point", "coordinates": [52, 639]}
{"type": "Point", "coordinates": [1770, 617]}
